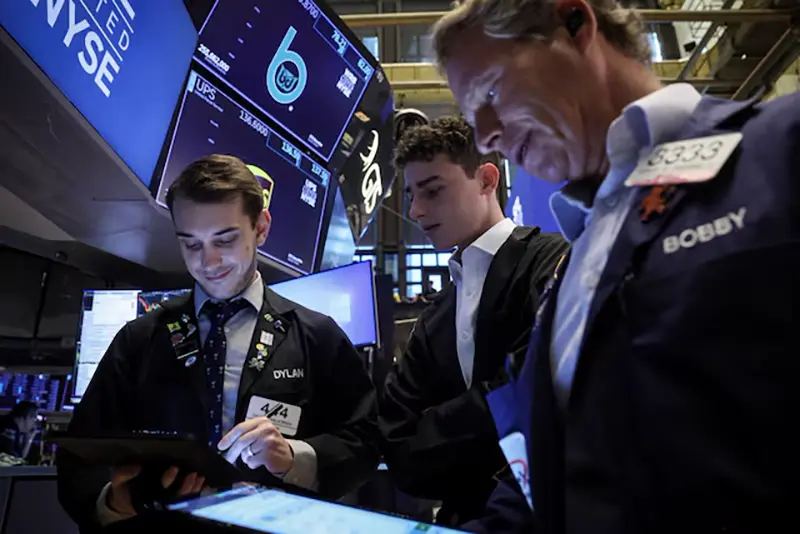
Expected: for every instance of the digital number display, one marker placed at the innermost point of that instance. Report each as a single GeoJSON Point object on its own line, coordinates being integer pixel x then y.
{"type": "Point", "coordinates": [290, 60]}
{"type": "Point", "coordinates": [294, 186]}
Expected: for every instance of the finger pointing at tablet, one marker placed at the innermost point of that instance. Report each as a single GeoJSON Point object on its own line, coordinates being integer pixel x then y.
{"type": "Point", "coordinates": [257, 442]}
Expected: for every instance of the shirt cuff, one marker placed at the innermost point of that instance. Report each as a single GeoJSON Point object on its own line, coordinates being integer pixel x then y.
{"type": "Point", "coordinates": [105, 515]}
{"type": "Point", "coordinates": [303, 473]}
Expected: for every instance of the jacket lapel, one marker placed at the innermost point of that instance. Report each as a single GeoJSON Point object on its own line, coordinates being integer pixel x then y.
{"type": "Point", "coordinates": [546, 434]}
{"type": "Point", "coordinates": [180, 323]}
{"type": "Point", "coordinates": [493, 313]}
{"type": "Point", "coordinates": [272, 328]}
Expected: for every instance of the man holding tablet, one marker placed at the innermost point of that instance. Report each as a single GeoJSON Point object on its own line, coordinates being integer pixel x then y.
{"type": "Point", "coordinates": [274, 387]}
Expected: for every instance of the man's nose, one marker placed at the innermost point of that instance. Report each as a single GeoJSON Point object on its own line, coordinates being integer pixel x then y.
{"type": "Point", "coordinates": [488, 130]}
{"type": "Point", "coordinates": [211, 257]}
{"type": "Point", "coordinates": [415, 211]}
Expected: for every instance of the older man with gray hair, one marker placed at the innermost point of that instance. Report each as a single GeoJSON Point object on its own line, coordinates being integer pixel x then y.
{"type": "Point", "coordinates": [662, 369]}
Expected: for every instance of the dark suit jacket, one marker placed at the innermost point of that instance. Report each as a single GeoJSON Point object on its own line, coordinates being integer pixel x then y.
{"type": "Point", "coordinates": [440, 441]}
{"type": "Point", "coordinates": [681, 416]}
{"type": "Point", "coordinates": [141, 384]}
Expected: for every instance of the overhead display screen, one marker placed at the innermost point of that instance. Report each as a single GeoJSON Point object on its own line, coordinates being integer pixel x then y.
{"type": "Point", "coordinates": [121, 64]}
{"type": "Point", "coordinates": [288, 59]}
{"type": "Point", "coordinates": [295, 187]}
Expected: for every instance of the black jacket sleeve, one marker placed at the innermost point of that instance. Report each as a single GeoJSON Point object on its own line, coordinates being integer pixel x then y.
{"type": "Point", "coordinates": [347, 454]}
{"type": "Point", "coordinates": [427, 438]}
{"type": "Point", "coordinates": [104, 408]}
{"type": "Point", "coordinates": [507, 512]}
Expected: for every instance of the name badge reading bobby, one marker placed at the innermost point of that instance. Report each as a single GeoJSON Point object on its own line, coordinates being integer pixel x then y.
{"type": "Point", "coordinates": [285, 417]}
{"type": "Point", "coordinates": [688, 161]}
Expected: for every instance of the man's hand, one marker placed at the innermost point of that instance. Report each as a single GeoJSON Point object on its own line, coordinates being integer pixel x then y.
{"type": "Point", "coordinates": [119, 496]}
{"type": "Point", "coordinates": [257, 442]}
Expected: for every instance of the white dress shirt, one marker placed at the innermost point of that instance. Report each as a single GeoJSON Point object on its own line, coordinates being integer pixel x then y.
{"type": "Point", "coordinates": [469, 268]}
{"type": "Point", "coordinates": [650, 121]}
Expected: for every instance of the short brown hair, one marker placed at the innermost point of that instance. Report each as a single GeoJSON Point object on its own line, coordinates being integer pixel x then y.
{"type": "Point", "coordinates": [450, 135]}
{"type": "Point", "coordinates": [219, 178]}
{"type": "Point", "coordinates": [537, 20]}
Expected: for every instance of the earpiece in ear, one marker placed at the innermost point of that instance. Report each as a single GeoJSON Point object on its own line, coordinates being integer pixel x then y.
{"type": "Point", "coordinates": [574, 21]}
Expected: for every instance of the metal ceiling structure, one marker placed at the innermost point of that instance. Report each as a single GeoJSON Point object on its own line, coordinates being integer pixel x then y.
{"type": "Point", "coordinates": [753, 44]}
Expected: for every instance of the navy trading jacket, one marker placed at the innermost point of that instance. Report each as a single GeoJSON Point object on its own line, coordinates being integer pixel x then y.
{"type": "Point", "coordinates": [683, 408]}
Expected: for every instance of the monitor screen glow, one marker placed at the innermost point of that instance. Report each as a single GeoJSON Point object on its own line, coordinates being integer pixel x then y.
{"type": "Point", "coordinates": [346, 294]}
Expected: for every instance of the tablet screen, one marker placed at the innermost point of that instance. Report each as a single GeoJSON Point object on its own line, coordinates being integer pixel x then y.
{"type": "Point", "coordinates": [276, 512]}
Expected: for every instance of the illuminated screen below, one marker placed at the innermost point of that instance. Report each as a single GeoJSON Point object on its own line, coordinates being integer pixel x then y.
{"type": "Point", "coordinates": [346, 294]}
{"type": "Point", "coordinates": [103, 314]}
{"type": "Point", "coordinates": [276, 512]}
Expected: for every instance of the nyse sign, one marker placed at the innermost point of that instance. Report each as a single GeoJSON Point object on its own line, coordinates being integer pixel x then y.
{"type": "Point", "coordinates": [101, 34]}
{"type": "Point", "coordinates": [371, 183]}
{"type": "Point", "coordinates": [120, 63]}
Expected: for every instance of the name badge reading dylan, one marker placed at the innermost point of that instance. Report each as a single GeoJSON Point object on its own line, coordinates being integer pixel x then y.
{"type": "Point", "coordinates": [285, 417]}
{"type": "Point", "coordinates": [688, 161]}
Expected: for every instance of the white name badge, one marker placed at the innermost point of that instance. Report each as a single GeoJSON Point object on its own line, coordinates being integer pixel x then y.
{"type": "Point", "coordinates": [516, 453]}
{"type": "Point", "coordinates": [688, 161]}
{"type": "Point", "coordinates": [285, 417]}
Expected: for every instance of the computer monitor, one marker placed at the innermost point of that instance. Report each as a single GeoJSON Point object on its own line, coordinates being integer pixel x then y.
{"type": "Point", "coordinates": [103, 314]}
{"type": "Point", "coordinates": [346, 294]}
{"type": "Point", "coordinates": [47, 391]}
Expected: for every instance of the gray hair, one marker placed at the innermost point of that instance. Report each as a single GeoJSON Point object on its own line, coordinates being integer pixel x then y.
{"type": "Point", "coordinates": [537, 20]}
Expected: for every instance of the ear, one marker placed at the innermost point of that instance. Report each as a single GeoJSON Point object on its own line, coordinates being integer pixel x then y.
{"type": "Point", "coordinates": [488, 176]}
{"type": "Point", "coordinates": [263, 224]}
{"type": "Point", "coordinates": [578, 22]}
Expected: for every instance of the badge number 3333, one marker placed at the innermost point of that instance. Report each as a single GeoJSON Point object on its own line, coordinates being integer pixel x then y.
{"type": "Point", "coordinates": [688, 161]}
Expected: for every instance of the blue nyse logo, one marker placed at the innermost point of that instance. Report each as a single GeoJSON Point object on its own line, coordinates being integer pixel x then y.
{"type": "Point", "coordinates": [287, 73]}
{"type": "Point", "coordinates": [120, 62]}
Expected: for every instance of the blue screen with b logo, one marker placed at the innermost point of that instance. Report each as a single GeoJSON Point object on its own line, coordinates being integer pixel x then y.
{"type": "Point", "coordinates": [288, 59]}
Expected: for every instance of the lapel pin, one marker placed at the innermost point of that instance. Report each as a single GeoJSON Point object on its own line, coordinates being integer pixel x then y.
{"type": "Point", "coordinates": [176, 339]}
{"type": "Point", "coordinates": [190, 361]}
{"type": "Point", "coordinates": [267, 338]}
{"type": "Point", "coordinates": [279, 326]}
{"type": "Point", "coordinates": [655, 203]}
{"type": "Point", "coordinates": [257, 362]}
{"type": "Point", "coordinates": [191, 330]}
{"type": "Point", "coordinates": [268, 317]}
{"type": "Point", "coordinates": [173, 327]}
{"type": "Point", "coordinates": [185, 318]}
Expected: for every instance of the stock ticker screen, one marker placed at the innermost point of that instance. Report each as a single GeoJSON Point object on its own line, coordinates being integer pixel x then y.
{"type": "Point", "coordinates": [295, 187]}
{"type": "Point", "coordinates": [289, 60]}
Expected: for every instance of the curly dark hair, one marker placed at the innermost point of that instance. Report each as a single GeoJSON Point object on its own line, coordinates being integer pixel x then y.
{"type": "Point", "coordinates": [450, 135]}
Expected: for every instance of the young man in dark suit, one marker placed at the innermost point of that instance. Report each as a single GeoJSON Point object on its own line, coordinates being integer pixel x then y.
{"type": "Point", "coordinates": [440, 440]}
{"type": "Point", "coordinates": [208, 365]}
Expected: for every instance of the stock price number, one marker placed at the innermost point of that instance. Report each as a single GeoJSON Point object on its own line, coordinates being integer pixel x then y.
{"type": "Point", "coordinates": [365, 67]}
{"type": "Point", "coordinates": [254, 123]}
{"type": "Point", "coordinates": [318, 170]}
{"type": "Point", "coordinates": [310, 7]}
{"type": "Point", "coordinates": [293, 152]}
{"type": "Point", "coordinates": [214, 59]}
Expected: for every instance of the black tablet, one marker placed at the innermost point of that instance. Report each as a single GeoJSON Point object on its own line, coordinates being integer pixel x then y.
{"type": "Point", "coordinates": [154, 449]}
{"type": "Point", "coordinates": [256, 509]}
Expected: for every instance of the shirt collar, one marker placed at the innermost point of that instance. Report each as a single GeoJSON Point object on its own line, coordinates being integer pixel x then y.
{"type": "Point", "coordinates": [489, 242]}
{"type": "Point", "coordinates": [254, 294]}
{"type": "Point", "coordinates": [657, 118]}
